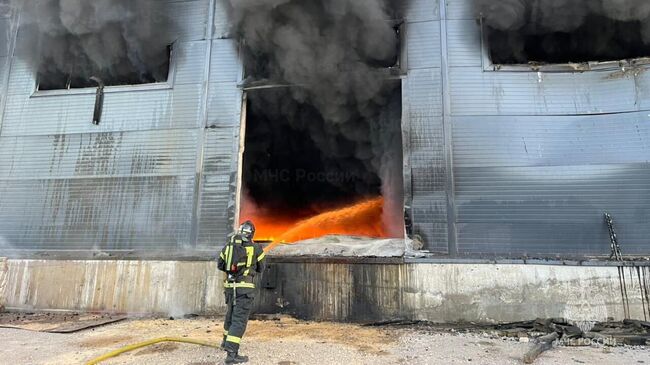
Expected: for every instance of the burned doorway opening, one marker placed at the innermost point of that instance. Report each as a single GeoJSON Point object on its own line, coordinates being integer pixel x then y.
{"type": "Point", "coordinates": [322, 149]}
{"type": "Point", "coordinates": [305, 177]}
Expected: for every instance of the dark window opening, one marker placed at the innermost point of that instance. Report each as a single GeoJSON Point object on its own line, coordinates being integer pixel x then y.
{"type": "Point", "coordinates": [304, 177]}
{"type": "Point", "coordinates": [82, 70]}
{"type": "Point", "coordinates": [597, 39]}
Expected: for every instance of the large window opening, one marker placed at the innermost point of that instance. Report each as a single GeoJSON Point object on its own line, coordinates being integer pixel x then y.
{"type": "Point", "coordinates": [582, 34]}
{"type": "Point", "coordinates": [84, 72]}
{"type": "Point", "coordinates": [599, 39]}
{"type": "Point", "coordinates": [304, 177]}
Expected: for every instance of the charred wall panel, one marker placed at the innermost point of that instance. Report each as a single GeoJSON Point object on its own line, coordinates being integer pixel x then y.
{"type": "Point", "coordinates": [422, 100]}
{"type": "Point", "coordinates": [543, 184]}
{"type": "Point", "coordinates": [534, 158]}
{"type": "Point", "coordinates": [218, 186]}
{"type": "Point", "coordinates": [220, 157]}
{"type": "Point", "coordinates": [421, 10]}
{"type": "Point", "coordinates": [119, 190]}
{"type": "Point", "coordinates": [128, 183]}
{"type": "Point", "coordinates": [538, 157]}
{"type": "Point", "coordinates": [475, 92]}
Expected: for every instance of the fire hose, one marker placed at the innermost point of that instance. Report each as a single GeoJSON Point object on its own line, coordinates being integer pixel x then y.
{"type": "Point", "coordinates": [138, 345]}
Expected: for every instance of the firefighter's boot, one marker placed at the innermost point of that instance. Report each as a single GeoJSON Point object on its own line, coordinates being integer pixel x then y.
{"type": "Point", "coordinates": [234, 358]}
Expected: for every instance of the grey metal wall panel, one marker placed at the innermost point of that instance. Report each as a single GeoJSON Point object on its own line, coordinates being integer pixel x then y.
{"type": "Point", "coordinates": [71, 112]}
{"type": "Point", "coordinates": [477, 92]}
{"type": "Point", "coordinates": [3, 69]}
{"type": "Point", "coordinates": [460, 9]}
{"type": "Point", "coordinates": [464, 44]}
{"type": "Point", "coordinates": [5, 32]}
{"type": "Point", "coordinates": [191, 18]}
{"type": "Point", "coordinates": [96, 213]}
{"type": "Point", "coordinates": [552, 209]}
{"type": "Point", "coordinates": [474, 92]}
{"type": "Point", "coordinates": [128, 183]}
{"type": "Point", "coordinates": [421, 10]}
{"type": "Point", "coordinates": [189, 62]}
{"type": "Point", "coordinates": [218, 187]}
{"type": "Point", "coordinates": [423, 42]}
{"type": "Point", "coordinates": [422, 99]}
{"type": "Point", "coordinates": [534, 162]}
{"type": "Point", "coordinates": [540, 185]}
{"type": "Point", "coordinates": [424, 92]}
{"type": "Point", "coordinates": [149, 153]}
{"type": "Point", "coordinates": [225, 64]}
{"type": "Point", "coordinates": [108, 191]}
{"type": "Point", "coordinates": [551, 140]}
{"type": "Point", "coordinates": [224, 104]}
{"type": "Point", "coordinates": [221, 22]}
{"type": "Point", "coordinates": [642, 83]}
{"type": "Point", "coordinates": [172, 108]}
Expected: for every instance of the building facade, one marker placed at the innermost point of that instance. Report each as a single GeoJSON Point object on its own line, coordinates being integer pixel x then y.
{"type": "Point", "coordinates": [497, 162]}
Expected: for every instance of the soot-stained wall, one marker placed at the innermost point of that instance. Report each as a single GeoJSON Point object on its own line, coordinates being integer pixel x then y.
{"type": "Point", "coordinates": [496, 163]}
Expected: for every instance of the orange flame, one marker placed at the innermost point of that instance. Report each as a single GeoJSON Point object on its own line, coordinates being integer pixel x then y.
{"type": "Point", "coordinates": [360, 219]}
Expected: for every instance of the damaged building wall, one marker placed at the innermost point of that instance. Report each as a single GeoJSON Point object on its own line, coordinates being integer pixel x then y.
{"type": "Point", "coordinates": [518, 163]}
{"type": "Point", "coordinates": [131, 182]}
{"type": "Point", "coordinates": [499, 163]}
{"type": "Point", "coordinates": [425, 157]}
{"type": "Point", "coordinates": [539, 157]}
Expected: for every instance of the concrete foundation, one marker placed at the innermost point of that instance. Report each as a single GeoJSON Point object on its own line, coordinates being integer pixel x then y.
{"type": "Point", "coordinates": [360, 292]}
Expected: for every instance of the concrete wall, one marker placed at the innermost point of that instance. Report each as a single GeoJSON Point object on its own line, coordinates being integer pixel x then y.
{"type": "Point", "coordinates": [334, 291]}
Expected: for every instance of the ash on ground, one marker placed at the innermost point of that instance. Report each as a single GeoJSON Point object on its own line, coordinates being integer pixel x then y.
{"type": "Point", "coordinates": [344, 246]}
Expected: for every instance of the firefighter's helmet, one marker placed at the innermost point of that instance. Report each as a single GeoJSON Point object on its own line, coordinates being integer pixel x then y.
{"type": "Point", "coordinates": [247, 229]}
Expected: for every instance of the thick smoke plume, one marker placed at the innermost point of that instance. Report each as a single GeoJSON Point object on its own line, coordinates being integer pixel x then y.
{"type": "Point", "coordinates": [335, 49]}
{"type": "Point", "coordinates": [120, 41]}
{"type": "Point", "coordinates": [341, 118]}
{"type": "Point", "coordinates": [566, 30]}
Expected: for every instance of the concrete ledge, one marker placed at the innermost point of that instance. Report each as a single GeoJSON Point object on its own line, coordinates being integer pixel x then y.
{"type": "Point", "coordinates": [362, 292]}
{"type": "Point", "coordinates": [162, 287]}
{"type": "Point", "coordinates": [4, 269]}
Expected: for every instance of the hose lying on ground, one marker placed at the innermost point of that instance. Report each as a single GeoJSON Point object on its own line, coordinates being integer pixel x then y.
{"type": "Point", "coordinates": [148, 343]}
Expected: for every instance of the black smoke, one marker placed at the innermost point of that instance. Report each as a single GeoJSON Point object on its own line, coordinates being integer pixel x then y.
{"type": "Point", "coordinates": [294, 159]}
{"type": "Point", "coordinates": [339, 122]}
{"type": "Point", "coordinates": [120, 41]}
{"type": "Point", "coordinates": [332, 48]}
{"type": "Point", "coordinates": [559, 31]}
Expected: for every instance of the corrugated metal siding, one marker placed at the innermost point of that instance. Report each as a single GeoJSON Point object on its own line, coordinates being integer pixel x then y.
{"type": "Point", "coordinates": [5, 45]}
{"type": "Point", "coordinates": [539, 157]}
{"type": "Point", "coordinates": [541, 184]}
{"type": "Point", "coordinates": [221, 23]}
{"type": "Point", "coordinates": [191, 17]}
{"type": "Point", "coordinates": [423, 42]}
{"type": "Point", "coordinates": [422, 103]}
{"type": "Point", "coordinates": [128, 183]}
{"type": "Point", "coordinates": [175, 107]}
{"type": "Point", "coordinates": [219, 179]}
{"type": "Point", "coordinates": [421, 10]}
{"type": "Point", "coordinates": [475, 92]}
{"type": "Point", "coordinates": [460, 9]}
{"type": "Point", "coordinates": [536, 158]}
{"type": "Point", "coordinates": [105, 190]}
{"type": "Point", "coordinates": [221, 149]}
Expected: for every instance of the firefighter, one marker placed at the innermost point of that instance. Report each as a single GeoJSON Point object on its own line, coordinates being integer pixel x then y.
{"type": "Point", "coordinates": [241, 259]}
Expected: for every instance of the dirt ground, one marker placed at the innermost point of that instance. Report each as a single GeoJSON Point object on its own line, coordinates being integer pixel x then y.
{"type": "Point", "coordinates": [286, 341]}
